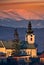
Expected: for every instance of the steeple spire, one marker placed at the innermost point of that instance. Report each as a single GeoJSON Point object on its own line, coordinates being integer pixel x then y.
{"type": "Point", "coordinates": [29, 31]}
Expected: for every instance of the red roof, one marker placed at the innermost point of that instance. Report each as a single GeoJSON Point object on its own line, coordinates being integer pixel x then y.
{"type": "Point", "coordinates": [42, 55]}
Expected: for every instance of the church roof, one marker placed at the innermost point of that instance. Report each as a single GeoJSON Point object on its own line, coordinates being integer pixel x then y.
{"type": "Point", "coordinates": [29, 31]}
{"type": "Point", "coordinates": [25, 45]}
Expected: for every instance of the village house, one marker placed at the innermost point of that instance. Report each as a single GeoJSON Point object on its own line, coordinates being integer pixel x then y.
{"type": "Point", "coordinates": [42, 57]}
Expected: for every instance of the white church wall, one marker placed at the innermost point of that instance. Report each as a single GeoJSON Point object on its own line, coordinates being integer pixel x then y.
{"type": "Point", "coordinates": [31, 39]}
{"type": "Point", "coordinates": [34, 52]}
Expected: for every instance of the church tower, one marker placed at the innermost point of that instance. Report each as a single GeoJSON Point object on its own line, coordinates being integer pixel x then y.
{"type": "Point", "coordinates": [30, 37]}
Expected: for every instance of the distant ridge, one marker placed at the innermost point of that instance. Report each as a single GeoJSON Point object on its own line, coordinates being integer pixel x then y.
{"type": "Point", "coordinates": [17, 28]}
{"type": "Point", "coordinates": [6, 27]}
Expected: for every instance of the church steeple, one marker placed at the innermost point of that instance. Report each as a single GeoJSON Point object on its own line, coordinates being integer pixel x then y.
{"type": "Point", "coordinates": [29, 31]}
{"type": "Point", "coordinates": [30, 37]}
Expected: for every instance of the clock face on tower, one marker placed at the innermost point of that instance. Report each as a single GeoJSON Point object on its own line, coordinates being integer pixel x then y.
{"type": "Point", "coordinates": [31, 39]}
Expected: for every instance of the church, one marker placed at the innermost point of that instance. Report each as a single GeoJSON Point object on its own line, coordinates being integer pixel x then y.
{"type": "Point", "coordinates": [27, 47]}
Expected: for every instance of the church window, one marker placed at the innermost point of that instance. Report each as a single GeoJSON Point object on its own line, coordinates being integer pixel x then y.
{"type": "Point", "coordinates": [31, 39]}
{"type": "Point", "coordinates": [31, 35]}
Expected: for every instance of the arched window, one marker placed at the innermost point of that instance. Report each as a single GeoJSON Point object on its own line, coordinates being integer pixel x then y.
{"type": "Point", "coordinates": [31, 39]}
{"type": "Point", "coordinates": [31, 35]}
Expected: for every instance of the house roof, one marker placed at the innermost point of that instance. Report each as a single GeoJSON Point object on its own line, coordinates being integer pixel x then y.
{"type": "Point", "coordinates": [1, 44]}
{"type": "Point", "coordinates": [42, 55]}
{"type": "Point", "coordinates": [8, 44]}
{"type": "Point", "coordinates": [23, 45]}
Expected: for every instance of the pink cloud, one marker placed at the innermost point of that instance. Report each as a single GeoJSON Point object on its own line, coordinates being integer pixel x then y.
{"type": "Point", "coordinates": [26, 14]}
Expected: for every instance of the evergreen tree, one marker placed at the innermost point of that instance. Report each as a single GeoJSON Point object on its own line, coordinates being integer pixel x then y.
{"type": "Point", "coordinates": [16, 43]}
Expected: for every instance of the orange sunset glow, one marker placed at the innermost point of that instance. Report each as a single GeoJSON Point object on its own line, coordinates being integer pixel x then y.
{"type": "Point", "coordinates": [27, 10]}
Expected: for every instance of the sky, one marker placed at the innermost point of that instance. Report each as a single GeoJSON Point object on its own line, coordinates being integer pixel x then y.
{"type": "Point", "coordinates": [10, 1]}
{"type": "Point", "coordinates": [18, 10]}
